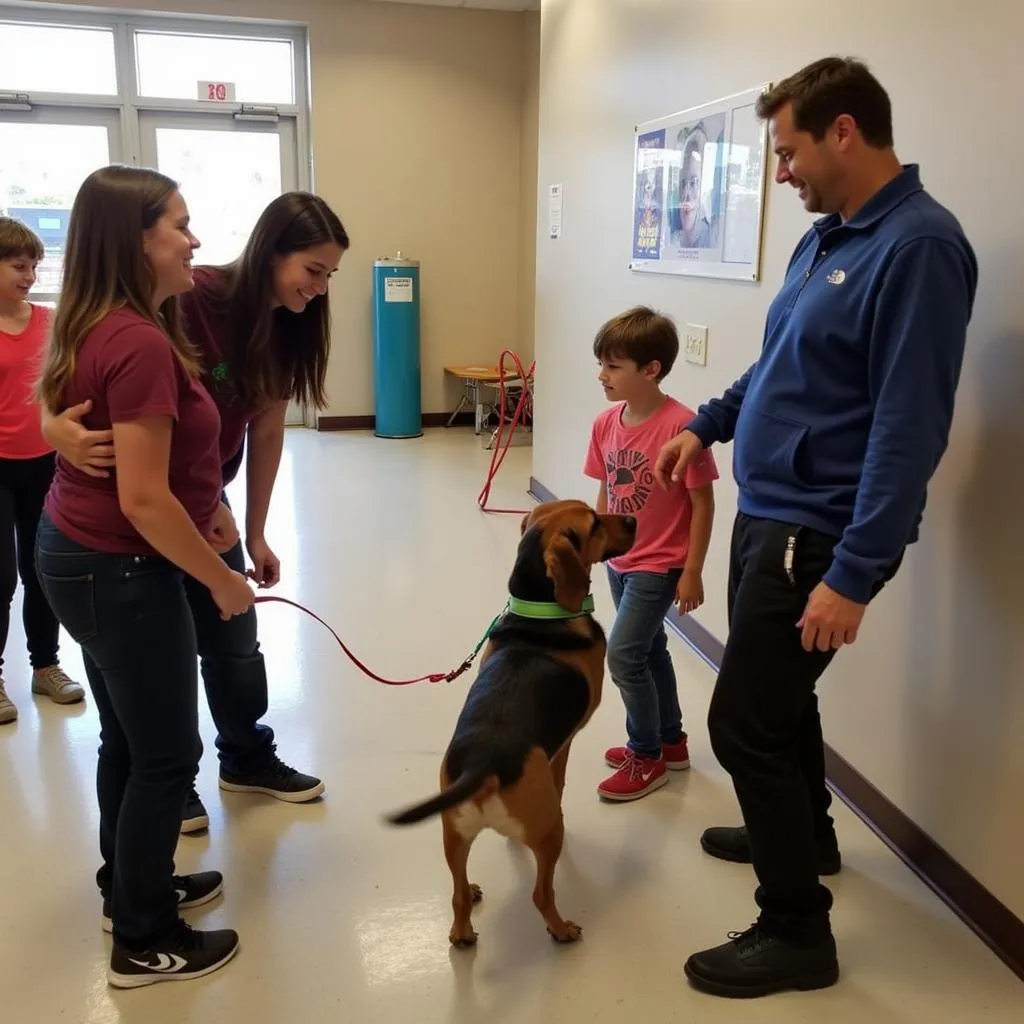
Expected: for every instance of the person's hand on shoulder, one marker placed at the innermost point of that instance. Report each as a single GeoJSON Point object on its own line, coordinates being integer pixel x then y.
{"type": "Point", "coordinates": [675, 456]}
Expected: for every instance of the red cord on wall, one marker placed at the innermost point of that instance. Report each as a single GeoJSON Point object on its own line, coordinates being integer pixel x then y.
{"type": "Point", "coordinates": [501, 446]}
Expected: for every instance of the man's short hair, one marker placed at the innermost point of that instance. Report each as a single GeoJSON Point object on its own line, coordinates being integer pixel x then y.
{"type": "Point", "coordinates": [828, 88]}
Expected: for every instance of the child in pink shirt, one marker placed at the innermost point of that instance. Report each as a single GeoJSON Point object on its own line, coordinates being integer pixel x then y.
{"type": "Point", "coordinates": [636, 351]}
{"type": "Point", "coordinates": [26, 467]}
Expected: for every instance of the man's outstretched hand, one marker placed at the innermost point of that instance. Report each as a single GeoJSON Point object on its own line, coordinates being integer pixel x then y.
{"type": "Point", "coordinates": [675, 456]}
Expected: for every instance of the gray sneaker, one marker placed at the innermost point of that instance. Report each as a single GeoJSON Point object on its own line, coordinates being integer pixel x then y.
{"type": "Point", "coordinates": [8, 712]}
{"type": "Point", "coordinates": [53, 682]}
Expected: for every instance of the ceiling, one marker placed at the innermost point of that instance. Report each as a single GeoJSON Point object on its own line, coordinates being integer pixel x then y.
{"type": "Point", "coordinates": [491, 5]}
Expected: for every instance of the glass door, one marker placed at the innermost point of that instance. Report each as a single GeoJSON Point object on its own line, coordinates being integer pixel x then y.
{"type": "Point", "coordinates": [47, 154]}
{"type": "Point", "coordinates": [229, 170]}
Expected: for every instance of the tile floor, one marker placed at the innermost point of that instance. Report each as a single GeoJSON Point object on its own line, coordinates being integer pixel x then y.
{"type": "Point", "coordinates": [343, 919]}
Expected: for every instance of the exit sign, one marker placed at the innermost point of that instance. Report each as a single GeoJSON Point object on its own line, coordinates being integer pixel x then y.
{"type": "Point", "coordinates": [217, 92]}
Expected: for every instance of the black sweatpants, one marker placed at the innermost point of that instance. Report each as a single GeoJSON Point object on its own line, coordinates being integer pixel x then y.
{"type": "Point", "coordinates": [764, 722]}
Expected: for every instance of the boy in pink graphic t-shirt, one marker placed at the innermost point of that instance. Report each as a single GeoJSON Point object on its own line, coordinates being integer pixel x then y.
{"type": "Point", "coordinates": [636, 351]}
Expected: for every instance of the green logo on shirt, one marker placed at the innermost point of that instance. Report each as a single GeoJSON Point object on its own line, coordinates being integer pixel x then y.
{"type": "Point", "coordinates": [222, 382]}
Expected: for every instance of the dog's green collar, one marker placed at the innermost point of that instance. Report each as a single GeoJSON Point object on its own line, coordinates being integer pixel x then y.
{"type": "Point", "coordinates": [548, 609]}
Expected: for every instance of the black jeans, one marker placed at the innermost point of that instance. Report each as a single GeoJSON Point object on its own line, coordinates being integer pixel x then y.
{"type": "Point", "coordinates": [138, 642]}
{"type": "Point", "coordinates": [234, 675]}
{"type": "Point", "coordinates": [764, 722]}
{"type": "Point", "coordinates": [24, 484]}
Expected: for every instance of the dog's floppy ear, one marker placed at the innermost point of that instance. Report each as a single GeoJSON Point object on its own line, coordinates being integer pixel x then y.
{"type": "Point", "coordinates": [523, 524]}
{"type": "Point", "coordinates": [566, 570]}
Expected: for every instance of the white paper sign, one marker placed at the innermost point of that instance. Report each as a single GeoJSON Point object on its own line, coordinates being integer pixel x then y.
{"type": "Point", "coordinates": [217, 92]}
{"type": "Point", "coordinates": [554, 211]}
{"type": "Point", "coordinates": [398, 289]}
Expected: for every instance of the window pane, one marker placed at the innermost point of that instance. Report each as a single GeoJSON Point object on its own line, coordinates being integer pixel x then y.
{"type": "Point", "coordinates": [49, 58]}
{"type": "Point", "coordinates": [42, 168]}
{"type": "Point", "coordinates": [172, 66]}
{"type": "Point", "coordinates": [226, 177]}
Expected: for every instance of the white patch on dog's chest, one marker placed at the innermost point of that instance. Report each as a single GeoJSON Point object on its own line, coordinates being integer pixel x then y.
{"type": "Point", "coordinates": [470, 820]}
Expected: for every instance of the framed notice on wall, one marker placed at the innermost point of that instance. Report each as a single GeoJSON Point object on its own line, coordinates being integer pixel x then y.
{"type": "Point", "coordinates": [698, 191]}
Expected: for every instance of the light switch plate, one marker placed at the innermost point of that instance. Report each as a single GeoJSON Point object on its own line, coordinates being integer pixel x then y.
{"type": "Point", "coordinates": [695, 344]}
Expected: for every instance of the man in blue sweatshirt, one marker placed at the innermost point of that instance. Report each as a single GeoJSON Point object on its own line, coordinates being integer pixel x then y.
{"type": "Point", "coordinates": [837, 430]}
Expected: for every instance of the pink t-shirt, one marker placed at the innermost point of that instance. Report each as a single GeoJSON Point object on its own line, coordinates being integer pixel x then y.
{"type": "Point", "coordinates": [21, 435]}
{"type": "Point", "coordinates": [624, 458]}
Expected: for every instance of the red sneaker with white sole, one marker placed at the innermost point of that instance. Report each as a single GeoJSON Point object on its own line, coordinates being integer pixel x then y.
{"type": "Point", "coordinates": [636, 777]}
{"type": "Point", "coordinates": [676, 756]}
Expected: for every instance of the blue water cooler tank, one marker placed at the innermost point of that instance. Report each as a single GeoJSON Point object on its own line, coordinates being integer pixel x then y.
{"type": "Point", "coordinates": [398, 410]}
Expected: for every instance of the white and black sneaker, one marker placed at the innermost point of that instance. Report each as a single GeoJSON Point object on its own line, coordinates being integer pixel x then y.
{"type": "Point", "coordinates": [276, 779]}
{"type": "Point", "coordinates": [195, 818]}
{"type": "Point", "coordinates": [183, 955]}
{"type": "Point", "coordinates": [193, 891]}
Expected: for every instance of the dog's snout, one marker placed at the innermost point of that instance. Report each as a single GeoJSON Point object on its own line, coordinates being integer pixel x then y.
{"type": "Point", "coordinates": [629, 522]}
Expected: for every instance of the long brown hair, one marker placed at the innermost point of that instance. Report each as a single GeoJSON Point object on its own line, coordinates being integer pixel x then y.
{"type": "Point", "coordinates": [274, 354]}
{"type": "Point", "coordinates": [105, 269]}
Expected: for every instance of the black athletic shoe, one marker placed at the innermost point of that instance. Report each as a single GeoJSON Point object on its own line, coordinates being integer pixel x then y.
{"type": "Point", "coordinates": [193, 891]}
{"type": "Point", "coordinates": [195, 818]}
{"type": "Point", "coordinates": [733, 844]}
{"type": "Point", "coordinates": [185, 954]}
{"type": "Point", "coordinates": [758, 963]}
{"type": "Point", "coordinates": [276, 779]}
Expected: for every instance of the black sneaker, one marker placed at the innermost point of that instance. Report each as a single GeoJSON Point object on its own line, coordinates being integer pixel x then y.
{"type": "Point", "coordinates": [758, 963]}
{"type": "Point", "coordinates": [195, 818]}
{"type": "Point", "coordinates": [193, 891]}
{"type": "Point", "coordinates": [275, 779]}
{"type": "Point", "coordinates": [733, 844]}
{"type": "Point", "coordinates": [185, 954]}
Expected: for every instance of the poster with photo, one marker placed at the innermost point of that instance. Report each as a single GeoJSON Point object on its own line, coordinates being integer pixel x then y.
{"type": "Point", "coordinates": [698, 191]}
{"type": "Point", "coordinates": [648, 201]}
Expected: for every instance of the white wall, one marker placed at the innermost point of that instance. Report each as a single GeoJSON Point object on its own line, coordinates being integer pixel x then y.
{"type": "Point", "coordinates": [929, 704]}
{"type": "Point", "coordinates": [417, 114]}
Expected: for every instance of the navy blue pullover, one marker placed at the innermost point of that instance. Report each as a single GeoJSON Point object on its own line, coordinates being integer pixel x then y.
{"type": "Point", "coordinates": [843, 419]}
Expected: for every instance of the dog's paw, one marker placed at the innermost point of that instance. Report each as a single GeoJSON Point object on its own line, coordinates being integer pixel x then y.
{"type": "Point", "coordinates": [478, 893]}
{"type": "Point", "coordinates": [572, 933]}
{"type": "Point", "coordinates": [462, 940]}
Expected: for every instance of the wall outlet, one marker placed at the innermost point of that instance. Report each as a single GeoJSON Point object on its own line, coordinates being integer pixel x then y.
{"type": "Point", "coordinates": [695, 344]}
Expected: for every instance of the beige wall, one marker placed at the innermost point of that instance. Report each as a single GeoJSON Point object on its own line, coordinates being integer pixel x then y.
{"type": "Point", "coordinates": [929, 704]}
{"type": "Point", "coordinates": [528, 183]}
{"type": "Point", "coordinates": [417, 114]}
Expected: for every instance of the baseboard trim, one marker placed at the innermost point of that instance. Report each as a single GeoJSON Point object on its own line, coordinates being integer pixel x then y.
{"type": "Point", "coordinates": [429, 419]}
{"type": "Point", "coordinates": [992, 921]}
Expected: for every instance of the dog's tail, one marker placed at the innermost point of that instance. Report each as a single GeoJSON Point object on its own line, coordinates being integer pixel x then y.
{"type": "Point", "coordinates": [468, 784]}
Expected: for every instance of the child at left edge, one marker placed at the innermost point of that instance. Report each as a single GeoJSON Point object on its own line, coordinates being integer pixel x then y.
{"type": "Point", "coordinates": [636, 351]}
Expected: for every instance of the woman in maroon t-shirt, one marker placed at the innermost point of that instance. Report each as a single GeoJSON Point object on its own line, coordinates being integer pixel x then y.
{"type": "Point", "coordinates": [113, 553]}
{"type": "Point", "coordinates": [262, 329]}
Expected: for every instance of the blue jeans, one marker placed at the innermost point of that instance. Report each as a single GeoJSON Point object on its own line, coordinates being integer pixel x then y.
{"type": "Point", "coordinates": [234, 675]}
{"type": "Point", "coordinates": [638, 658]}
{"type": "Point", "coordinates": [133, 622]}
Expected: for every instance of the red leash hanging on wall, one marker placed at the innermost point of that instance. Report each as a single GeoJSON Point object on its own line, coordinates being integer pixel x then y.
{"type": "Point", "coordinates": [502, 445]}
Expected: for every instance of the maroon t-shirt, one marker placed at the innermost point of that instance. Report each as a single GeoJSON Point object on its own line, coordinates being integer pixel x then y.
{"type": "Point", "coordinates": [206, 323]}
{"type": "Point", "coordinates": [128, 368]}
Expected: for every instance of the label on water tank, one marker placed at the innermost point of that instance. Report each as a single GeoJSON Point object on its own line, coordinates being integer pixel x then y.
{"type": "Point", "coordinates": [398, 289]}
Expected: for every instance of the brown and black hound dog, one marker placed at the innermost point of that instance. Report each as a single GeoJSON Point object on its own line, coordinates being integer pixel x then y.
{"type": "Point", "coordinates": [539, 683]}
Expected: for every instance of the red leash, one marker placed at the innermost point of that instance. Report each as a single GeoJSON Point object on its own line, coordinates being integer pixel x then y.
{"type": "Point", "coordinates": [434, 677]}
{"type": "Point", "coordinates": [497, 458]}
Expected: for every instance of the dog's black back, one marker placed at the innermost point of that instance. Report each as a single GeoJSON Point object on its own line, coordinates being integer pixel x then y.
{"type": "Point", "coordinates": [522, 698]}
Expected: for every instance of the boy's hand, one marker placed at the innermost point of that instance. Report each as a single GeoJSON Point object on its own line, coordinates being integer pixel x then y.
{"type": "Point", "coordinates": [689, 592]}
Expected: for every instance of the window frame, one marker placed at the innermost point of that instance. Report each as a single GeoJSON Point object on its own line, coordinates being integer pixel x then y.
{"type": "Point", "coordinates": [128, 102]}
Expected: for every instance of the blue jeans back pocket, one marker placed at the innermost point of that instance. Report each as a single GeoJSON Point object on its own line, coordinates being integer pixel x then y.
{"type": "Point", "coordinates": [73, 601]}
